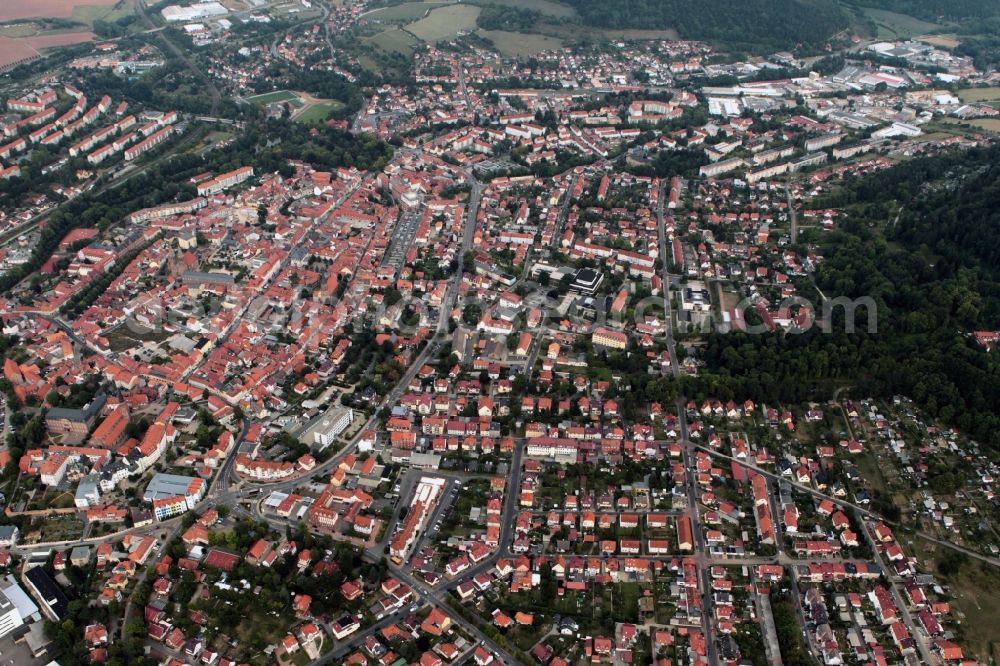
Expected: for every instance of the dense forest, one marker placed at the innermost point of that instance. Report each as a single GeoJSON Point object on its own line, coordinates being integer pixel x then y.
{"type": "Point", "coordinates": [501, 17]}
{"type": "Point", "coordinates": [933, 268]}
{"type": "Point", "coordinates": [752, 25]}
{"type": "Point", "coordinates": [939, 10]}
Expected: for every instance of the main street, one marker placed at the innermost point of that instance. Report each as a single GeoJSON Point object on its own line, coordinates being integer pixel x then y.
{"type": "Point", "coordinates": [685, 441]}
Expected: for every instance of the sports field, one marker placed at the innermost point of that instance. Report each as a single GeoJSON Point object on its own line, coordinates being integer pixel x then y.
{"type": "Point", "coordinates": [276, 96]}
{"type": "Point", "coordinates": [317, 113]}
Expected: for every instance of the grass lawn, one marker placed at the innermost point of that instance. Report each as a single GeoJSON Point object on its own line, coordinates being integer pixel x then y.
{"type": "Point", "coordinates": [368, 63]}
{"type": "Point", "coordinates": [211, 139]}
{"type": "Point", "coordinates": [27, 29]}
{"type": "Point", "coordinates": [272, 97]}
{"type": "Point", "coordinates": [939, 134]}
{"type": "Point", "coordinates": [63, 501]}
{"type": "Point", "coordinates": [318, 113]}
{"type": "Point", "coordinates": [871, 470]}
{"type": "Point", "coordinates": [985, 124]}
{"type": "Point", "coordinates": [259, 628]}
{"type": "Point", "coordinates": [123, 337]}
{"type": "Point", "coordinates": [974, 594]}
{"type": "Point", "coordinates": [217, 135]}
{"type": "Point", "coordinates": [445, 23]}
{"type": "Point", "coordinates": [394, 39]}
{"type": "Point", "coordinates": [974, 601]}
{"type": "Point", "coordinates": [517, 44]}
{"type": "Point", "coordinates": [892, 25]}
{"type": "Point", "coordinates": [972, 95]}
{"type": "Point", "coordinates": [88, 14]}
{"type": "Point", "coordinates": [726, 296]}
{"type": "Point", "coordinates": [62, 528]}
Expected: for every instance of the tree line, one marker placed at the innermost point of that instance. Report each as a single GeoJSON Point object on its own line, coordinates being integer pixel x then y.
{"type": "Point", "coordinates": [752, 25]}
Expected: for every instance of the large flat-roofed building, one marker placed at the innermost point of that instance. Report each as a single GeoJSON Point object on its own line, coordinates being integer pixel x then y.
{"type": "Point", "coordinates": [425, 499]}
{"type": "Point", "coordinates": [47, 591]}
{"type": "Point", "coordinates": [201, 278]}
{"type": "Point", "coordinates": [9, 535]}
{"type": "Point", "coordinates": [201, 10]}
{"type": "Point", "coordinates": [88, 492]}
{"type": "Point", "coordinates": [695, 297]}
{"type": "Point", "coordinates": [16, 607]}
{"type": "Point", "coordinates": [587, 280]}
{"type": "Point", "coordinates": [171, 494]}
{"type": "Point", "coordinates": [425, 460]}
{"type": "Point", "coordinates": [331, 426]}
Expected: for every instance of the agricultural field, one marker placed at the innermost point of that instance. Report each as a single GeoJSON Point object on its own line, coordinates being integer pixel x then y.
{"type": "Point", "coordinates": [14, 49]}
{"type": "Point", "coordinates": [519, 44]}
{"type": "Point", "coordinates": [445, 23]}
{"type": "Point", "coordinates": [23, 39]}
{"type": "Point", "coordinates": [13, 11]}
{"type": "Point", "coordinates": [898, 26]}
{"type": "Point", "coordinates": [404, 13]}
{"type": "Point", "coordinates": [974, 95]}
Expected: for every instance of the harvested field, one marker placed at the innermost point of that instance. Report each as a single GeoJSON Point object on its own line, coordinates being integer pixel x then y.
{"type": "Point", "coordinates": [11, 10]}
{"type": "Point", "coordinates": [14, 50]}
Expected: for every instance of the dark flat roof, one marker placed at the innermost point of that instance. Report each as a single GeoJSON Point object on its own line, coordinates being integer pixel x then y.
{"type": "Point", "coordinates": [49, 590]}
